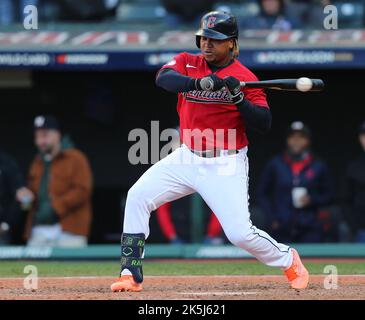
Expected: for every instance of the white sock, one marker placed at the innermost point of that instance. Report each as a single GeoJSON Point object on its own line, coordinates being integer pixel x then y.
{"type": "Point", "coordinates": [126, 272]}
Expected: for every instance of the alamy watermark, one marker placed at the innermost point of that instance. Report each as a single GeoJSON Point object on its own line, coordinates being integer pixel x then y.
{"type": "Point", "coordinates": [221, 144]}
{"type": "Point", "coordinates": [31, 280]}
{"type": "Point", "coordinates": [30, 21]}
{"type": "Point", "coordinates": [330, 22]}
{"type": "Point", "coordinates": [330, 281]}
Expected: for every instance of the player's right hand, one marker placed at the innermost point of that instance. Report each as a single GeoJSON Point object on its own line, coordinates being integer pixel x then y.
{"type": "Point", "coordinates": [209, 83]}
{"type": "Point", "coordinates": [234, 88]}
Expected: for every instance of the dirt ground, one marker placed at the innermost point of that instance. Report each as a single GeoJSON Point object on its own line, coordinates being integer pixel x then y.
{"type": "Point", "coordinates": [183, 287]}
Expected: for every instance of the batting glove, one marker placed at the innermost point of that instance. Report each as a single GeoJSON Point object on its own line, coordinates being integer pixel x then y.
{"type": "Point", "coordinates": [209, 83]}
{"type": "Point", "coordinates": [234, 89]}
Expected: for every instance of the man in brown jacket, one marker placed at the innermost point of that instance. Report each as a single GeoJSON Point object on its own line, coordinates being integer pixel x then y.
{"type": "Point", "coordinates": [60, 187]}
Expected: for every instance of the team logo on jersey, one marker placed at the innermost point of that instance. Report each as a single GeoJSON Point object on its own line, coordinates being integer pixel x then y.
{"type": "Point", "coordinates": [217, 97]}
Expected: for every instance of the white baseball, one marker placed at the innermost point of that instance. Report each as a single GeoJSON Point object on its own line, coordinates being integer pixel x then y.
{"type": "Point", "coordinates": [304, 84]}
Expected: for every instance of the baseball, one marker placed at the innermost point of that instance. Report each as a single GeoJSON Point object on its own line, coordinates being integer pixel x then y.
{"type": "Point", "coordinates": [304, 84]}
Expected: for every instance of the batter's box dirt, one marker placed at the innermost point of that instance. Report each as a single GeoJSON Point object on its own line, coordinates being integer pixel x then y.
{"type": "Point", "coordinates": [184, 287]}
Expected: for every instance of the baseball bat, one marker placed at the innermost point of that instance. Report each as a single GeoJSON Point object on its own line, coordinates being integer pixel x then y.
{"type": "Point", "coordinates": [283, 84]}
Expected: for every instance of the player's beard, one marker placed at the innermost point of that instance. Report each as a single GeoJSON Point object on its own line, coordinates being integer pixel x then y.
{"type": "Point", "coordinates": [212, 58]}
{"type": "Point", "coordinates": [209, 56]}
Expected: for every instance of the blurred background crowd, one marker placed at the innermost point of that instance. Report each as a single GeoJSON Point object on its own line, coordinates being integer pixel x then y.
{"type": "Point", "coordinates": [252, 14]}
{"type": "Point", "coordinates": [295, 194]}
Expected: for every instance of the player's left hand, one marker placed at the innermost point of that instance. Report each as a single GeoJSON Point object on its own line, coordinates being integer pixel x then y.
{"type": "Point", "coordinates": [210, 83]}
{"type": "Point", "coordinates": [234, 88]}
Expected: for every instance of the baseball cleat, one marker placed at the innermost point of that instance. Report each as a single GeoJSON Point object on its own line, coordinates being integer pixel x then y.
{"type": "Point", "coordinates": [127, 284]}
{"type": "Point", "coordinates": [297, 274]}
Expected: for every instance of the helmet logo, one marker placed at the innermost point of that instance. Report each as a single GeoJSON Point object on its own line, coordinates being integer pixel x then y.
{"type": "Point", "coordinates": [211, 22]}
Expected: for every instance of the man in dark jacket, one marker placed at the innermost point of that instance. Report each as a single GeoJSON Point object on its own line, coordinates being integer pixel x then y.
{"type": "Point", "coordinates": [293, 187]}
{"type": "Point", "coordinates": [11, 181]}
{"type": "Point", "coordinates": [354, 192]}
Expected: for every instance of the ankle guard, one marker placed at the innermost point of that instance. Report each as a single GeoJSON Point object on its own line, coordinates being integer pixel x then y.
{"type": "Point", "coordinates": [132, 254]}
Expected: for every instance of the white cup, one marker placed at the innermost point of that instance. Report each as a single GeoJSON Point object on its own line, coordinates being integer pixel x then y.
{"type": "Point", "coordinates": [26, 203]}
{"type": "Point", "coordinates": [297, 194]}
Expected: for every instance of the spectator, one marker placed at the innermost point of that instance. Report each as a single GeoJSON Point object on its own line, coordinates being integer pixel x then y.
{"type": "Point", "coordinates": [186, 12]}
{"type": "Point", "coordinates": [60, 182]}
{"type": "Point", "coordinates": [7, 12]}
{"type": "Point", "coordinates": [214, 229]}
{"type": "Point", "coordinates": [88, 10]}
{"type": "Point", "coordinates": [292, 189]}
{"type": "Point", "coordinates": [310, 14]}
{"type": "Point", "coordinates": [11, 182]}
{"type": "Point", "coordinates": [167, 226]}
{"type": "Point", "coordinates": [12, 11]}
{"type": "Point", "coordinates": [272, 15]}
{"type": "Point", "coordinates": [354, 192]}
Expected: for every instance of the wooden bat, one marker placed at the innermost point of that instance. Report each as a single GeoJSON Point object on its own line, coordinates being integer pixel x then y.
{"type": "Point", "coordinates": [301, 84]}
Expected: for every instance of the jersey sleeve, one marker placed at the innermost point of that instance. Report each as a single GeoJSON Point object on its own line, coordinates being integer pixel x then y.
{"type": "Point", "coordinates": [256, 96]}
{"type": "Point", "coordinates": [178, 63]}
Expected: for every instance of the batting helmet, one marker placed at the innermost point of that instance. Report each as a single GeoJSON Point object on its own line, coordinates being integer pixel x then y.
{"type": "Point", "coordinates": [217, 25]}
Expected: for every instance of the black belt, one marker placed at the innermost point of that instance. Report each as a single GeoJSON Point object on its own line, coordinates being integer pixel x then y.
{"type": "Point", "coordinates": [214, 153]}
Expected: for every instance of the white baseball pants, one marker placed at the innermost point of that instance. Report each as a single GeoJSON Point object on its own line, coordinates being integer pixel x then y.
{"type": "Point", "coordinates": [223, 184]}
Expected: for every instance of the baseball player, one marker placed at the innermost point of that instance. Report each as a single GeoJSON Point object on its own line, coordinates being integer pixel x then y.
{"type": "Point", "coordinates": [214, 113]}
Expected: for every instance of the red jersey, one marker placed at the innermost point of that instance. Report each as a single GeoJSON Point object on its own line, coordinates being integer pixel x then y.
{"type": "Point", "coordinates": [214, 111]}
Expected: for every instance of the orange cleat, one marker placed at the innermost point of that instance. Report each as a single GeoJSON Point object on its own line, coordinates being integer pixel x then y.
{"type": "Point", "coordinates": [297, 274]}
{"type": "Point", "coordinates": [126, 283]}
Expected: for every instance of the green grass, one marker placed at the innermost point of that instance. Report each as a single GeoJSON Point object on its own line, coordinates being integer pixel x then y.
{"type": "Point", "coordinates": [15, 269]}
